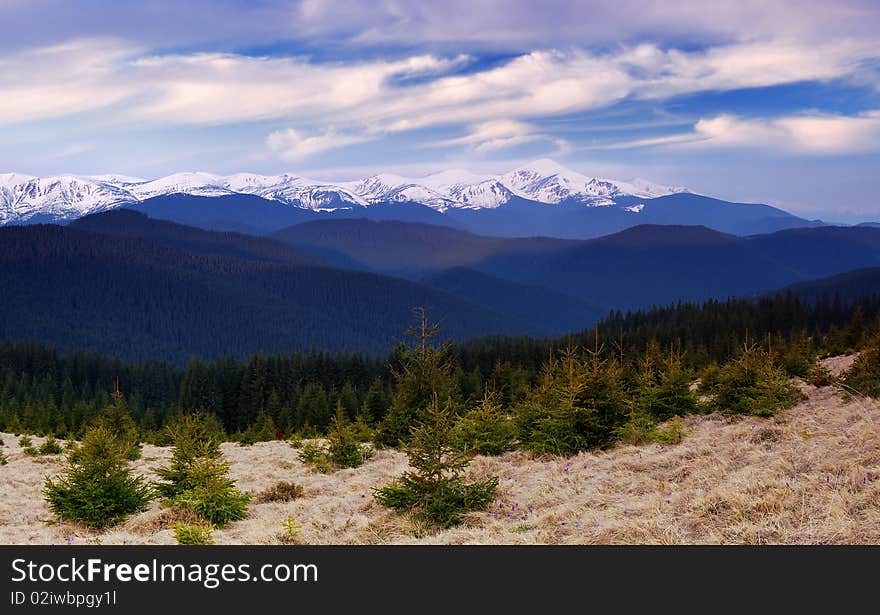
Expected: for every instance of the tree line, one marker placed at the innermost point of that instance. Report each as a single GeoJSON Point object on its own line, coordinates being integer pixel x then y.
{"type": "Point", "coordinates": [45, 391]}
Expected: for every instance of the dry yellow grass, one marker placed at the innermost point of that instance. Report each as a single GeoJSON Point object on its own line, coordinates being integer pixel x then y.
{"type": "Point", "coordinates": [809, 475]}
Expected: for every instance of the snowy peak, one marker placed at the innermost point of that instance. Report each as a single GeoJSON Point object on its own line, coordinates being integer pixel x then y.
{"type": "Point", "coordinates": [547, 181]}
{"type": "Point", "coordinates": [390, 188]}
{"type": "Point", "coordinates": [61, 197]}
{"type": "Point", "coordinates": [200, 184]}
{"type": "Point", "coordinates": [24, 197]}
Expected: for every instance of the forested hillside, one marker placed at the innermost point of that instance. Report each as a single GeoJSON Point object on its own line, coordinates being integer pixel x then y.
{"type": "Point", "coordinates": [44, 390]}
{"type": "Point", "coordinates": [138, 299]}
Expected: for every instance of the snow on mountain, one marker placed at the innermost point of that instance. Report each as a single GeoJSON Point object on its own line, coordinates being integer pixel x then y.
{"type": "Point", "coordinates": [549, 182]}
{"type": "Point", "coordinates": [63, 197]}
{"type": "Point", "coordinates": [489, 193]}
{"type": "Point", "coordinates": [199, 184]}
{"type": "Point", "coordinates": [117, 180]}
{"type": "Point", "coordinates": [24, 197]}
{"type": "Point", "coordinates": [546, 181]}
{"type": "Point", "coordinates": [390, 188]}
{"type": "Point", "coordinates": [645, 189]}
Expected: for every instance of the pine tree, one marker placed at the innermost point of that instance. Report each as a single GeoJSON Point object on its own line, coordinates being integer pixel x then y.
{"type": "Point", "coordinates": [97, 488]}
{"type": "Point", "coordinates": [425, 372]}
{"type": "Point", "coordinates": [197, 479]}
{"type": "Point", "coordinates": [485, 429]}
{"type": "Point", "coordinates": [751, 384]}
{"type": "Point", "coordinates": [864, 375]}
{"type": "Point", "coordinates": [116, 419]}
{"type": "Point", "coordinates": [345, 450]}
{"type": "Point", "coordinates": [663, 386]}
{"type": "Point", "coordinates": [578, 405]}
{"type": "Point", "coordinates": [435, 489]}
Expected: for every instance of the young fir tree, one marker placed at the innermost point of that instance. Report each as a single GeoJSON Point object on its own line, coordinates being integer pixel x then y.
{"type": "Point", "coordinates": [435, 489]}
{"type": "Point", "coordinates": [197, 478]}
{"type": "Point", "coordinates": [663, 385]}
{"type": "Point", "coordinates": [796, 355]}
{"type": "Point", "coordinates": [751, 383]}
{"type": "Point", "coordinates": [262, 430]}
{"type": "Point", "coordinates": [344, 449]}
{"type": "Point", "coordinates": [580, 404]}
{"type": "Point", "coordinates": [486, 429]}
{"type": "Point", "coordinates": [425, 372]}
{"type": "Point", "coordinates": [864, 375]}
{"type": "Point", "coordinates": [97, 488]}
{"type": "Point", "coordinates": [116, 419]}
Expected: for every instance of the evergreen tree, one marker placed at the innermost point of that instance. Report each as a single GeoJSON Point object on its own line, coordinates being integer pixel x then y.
{"type": "Point", "coordinates": [864, 375]}
{"type": "Point", "coordinates": [116, 419]}
{"type": "Point", "coordinates": [751, 384]}
{"type": "Point", "coordinates": [345, 450]}
{"type": "Point", "coordinates": [579, 405]}
{"type": "Point", "coordinates": [425, 371]}
{"type": "Point", "coordinates": [486, 429]}
{"type": "Point", "coordinates": [435, 489]}
{"type": "Point", "coordinates": [663, 386]}
{"type": "Point", "coordinates": [97, 488]}
{"type": "Point", "coordinates": [197, 479]}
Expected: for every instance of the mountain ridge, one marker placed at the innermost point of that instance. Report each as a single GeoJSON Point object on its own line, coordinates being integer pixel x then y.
{"type": "Point", "coordinates": [23, 197]}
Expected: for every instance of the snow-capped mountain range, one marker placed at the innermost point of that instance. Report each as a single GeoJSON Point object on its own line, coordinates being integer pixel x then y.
{"type": "Point", "coordinates": [24, 198]}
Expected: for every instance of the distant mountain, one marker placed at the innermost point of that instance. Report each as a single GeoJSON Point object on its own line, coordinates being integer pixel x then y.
{"type": "Point", "coordinates": [121, 283]}
{"type": "Point", "coordinates": [656, 265]}
{"type": "Point", "coordinates": [244, 213]}
{"type": "Point", "coordinates": [186, 295]}
{"type": "Point", "coordinates": [129, 223]}
{"type": "Point", "coordinates": [819, 252]}
{"type": "Point", "coordinates": [848, 287]}
{"type": "Point", "coordinates": [540, 198]}
{"type": "Point", "coordinates": [557, 311]}
{"type": "Point", "coordinates": [637, 267]}
{"type": "Point", "coordinates": [570, 219]}
{"type": "Point", "coordinates": [402, 248]}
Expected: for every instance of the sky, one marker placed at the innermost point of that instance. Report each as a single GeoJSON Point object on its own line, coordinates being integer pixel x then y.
{"type": "Point", "coordinates": [752, 101]}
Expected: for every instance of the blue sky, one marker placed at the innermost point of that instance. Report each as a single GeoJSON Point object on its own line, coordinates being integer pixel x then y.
{"type": "Point", "coordinates": [776, 102]}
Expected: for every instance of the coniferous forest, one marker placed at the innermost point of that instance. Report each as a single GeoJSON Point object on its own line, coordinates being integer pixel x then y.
{"type": "Point", "coordinates": [46, 391]}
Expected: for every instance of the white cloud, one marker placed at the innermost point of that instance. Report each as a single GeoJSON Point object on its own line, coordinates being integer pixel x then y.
{"type": "Point", "coordinates": [812, 134]}
{"type": "Point", "coordinates": [366, 99]}
{"type": "Point", "coordinates": [805, 133]}
{"type": "Point", "coordinates": [63, 80]}
{"type": "Point", "coordinates": [496, 135]}
{"type": "Point", "coordinates": [292, 145]}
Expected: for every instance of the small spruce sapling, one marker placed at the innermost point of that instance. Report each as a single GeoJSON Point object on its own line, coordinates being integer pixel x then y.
{"type": "Point", "coordinates": [752, 383]}
{"type": "Point", "coordinates": [197, 479]}
{"type": "Point", "coordinates": [435, 490]}
{"type": "Point", "coordinates": [344, 449]}
{"type": "Point", "coordinates": [485, 429]}
{"type": "Point", "coordinates": [97, 488]}
{"type": "Point", "coordinates": [864, 374]}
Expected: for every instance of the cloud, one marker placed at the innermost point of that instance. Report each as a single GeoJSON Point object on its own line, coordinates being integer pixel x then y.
{"type": "Point", "coordinates": [353, 25]}
{"type": "Point", "coordinates": [74, 149]}
{"type": "Point", "coordinates": [293, 146]}
{"type": "Point", "coordinates": [63, 80]}
{"type": "Point", "coordinates": [391, 94]}
{"type": "Point", "coordinates": [213, 88]}
{"type": "Point", "coordinates": [496, 135]}
{"type": "Point", "coordinates": [805, 133]}
{"type": "Point", "coordinates": [811, 134]}
{"type": "Point", "coordinates": [365, 99]}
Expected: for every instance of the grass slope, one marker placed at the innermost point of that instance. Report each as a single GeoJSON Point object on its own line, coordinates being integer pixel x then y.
{"type": "Point", "coordinates": [809, 475]}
